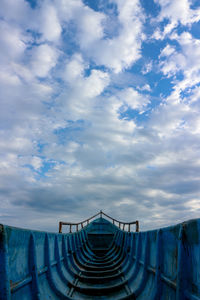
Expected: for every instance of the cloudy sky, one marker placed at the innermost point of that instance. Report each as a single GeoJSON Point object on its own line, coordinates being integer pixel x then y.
{"type": "Point", "coordinates": [99, 109]}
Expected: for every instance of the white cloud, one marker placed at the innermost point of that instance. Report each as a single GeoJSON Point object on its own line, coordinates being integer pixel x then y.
{"type": "Point", "coordinates": [44, 58]}
{"type": "Point", "coordinates": [7, 77]}
{"type": "Point", "coordinates": [36, 162]}
{"type": "Point", "coordinates": [17, 11]}
{"type": "Point", "coordinates": [176, 12]}
{"type": "Point", "coordinates": [115, 52]}
{"type": "Point", "coordinates": [15, 145]}
{"type": "Point", "coordinates": [167, 51]}
{"type": "Point", "coordinates": [90, 27]}
{"type": "Point", "coordinates": [50, 25]}
{"type": "Point", "coordinates": [145, 87]}
{"type": "Point", "coordinates": [74, 68]}
{"type": "Point", "coordinates": [123, 50]}
{"type": "Point", "coordinates": [94, 85]}
{"type": "Point", "coordinates": [12, 42]}
{"type": "Point", "coordinates": [184, 60]}
{"type": "Point", "coordinates": [147, 67]}
{"type": "Point", "coordinates": [79, 98]}
{"type": "Point", "coordinates": [134, 99]}
{"type": "Point", "coordinates": [88, 22]}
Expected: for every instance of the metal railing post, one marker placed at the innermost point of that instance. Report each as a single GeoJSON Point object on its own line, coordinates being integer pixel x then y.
{"type": "Point", "coordinates": [137, 226]}
{"type": "Point", "coordinates": [60, 227]}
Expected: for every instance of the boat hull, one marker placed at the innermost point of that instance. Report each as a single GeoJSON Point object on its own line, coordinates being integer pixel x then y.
{"type": "Point", "coordinates": [158, 264]}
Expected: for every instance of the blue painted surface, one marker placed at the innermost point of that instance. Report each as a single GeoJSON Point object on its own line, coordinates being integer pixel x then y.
{"type": "Point", "coordinates": [154, 265]}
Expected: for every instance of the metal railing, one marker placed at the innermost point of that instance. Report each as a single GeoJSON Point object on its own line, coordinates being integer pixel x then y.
{"type": "Point", "coordinates": [80, 225]}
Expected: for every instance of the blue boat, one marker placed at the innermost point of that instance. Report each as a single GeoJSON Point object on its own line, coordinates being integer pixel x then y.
{"type": "Point", "coordinates": [101, 259]}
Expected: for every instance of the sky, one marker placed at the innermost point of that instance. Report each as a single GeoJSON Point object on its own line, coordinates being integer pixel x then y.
{"type": "Point", "coordinates": [99, 109]}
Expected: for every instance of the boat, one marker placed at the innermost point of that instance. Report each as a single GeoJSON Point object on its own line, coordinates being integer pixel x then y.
{"type": "Point", "coordinates": [101, 258]}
